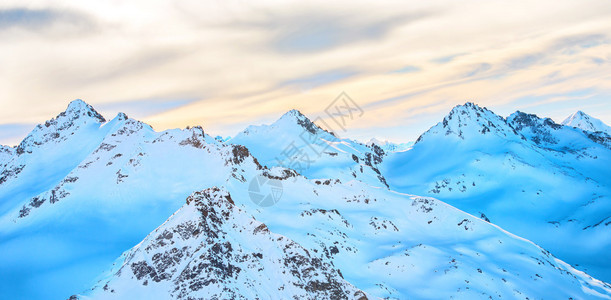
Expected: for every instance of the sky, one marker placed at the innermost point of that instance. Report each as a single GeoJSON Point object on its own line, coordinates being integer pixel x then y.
{"type": "Point", "coordinates": [227, 64]}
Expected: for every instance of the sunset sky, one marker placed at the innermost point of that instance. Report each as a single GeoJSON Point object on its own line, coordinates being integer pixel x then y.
{"type": "Point", "coordinates": [228, 64]}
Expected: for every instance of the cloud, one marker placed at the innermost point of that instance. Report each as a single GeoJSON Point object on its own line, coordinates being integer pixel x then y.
{"type": "Point", "coordinates": [447, 58]}
{"type": "Point", "coordinates": [41, 19]}
{"type": "Point", "coordinates": [572, 44]}
{"type": "Point", "coordinates": [407, 69]}
{"type": "Point", "coordinates": [225, 64]}
{"type": "Point", "coordinates": [481, 68]}
{"type": "Point", "coordinates": [319, 79]}
{"type": "Point", "coordinates": [21, 17]}
{"type": "Point", "coordinates": [317, 30]}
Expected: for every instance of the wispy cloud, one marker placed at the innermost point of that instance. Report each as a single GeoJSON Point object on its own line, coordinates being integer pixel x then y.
{"type": "Point", "coordinates": [319, 79]}
{"type": "Point", "coordinates": [42, 19]}
{"type": "Point", "coordinates": [479, 69]}
{"type": "Point", "coordinates": [447, 58]}
{"type": "Point", "coordinates": [407, 69]}
{"type": "Point", "coordinates": [314, 29]}
{"type": "Point", "coordinates": [178, 63]}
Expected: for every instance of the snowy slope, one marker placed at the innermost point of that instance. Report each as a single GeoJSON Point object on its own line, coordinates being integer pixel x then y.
{"type": "Point", "coordinates": [586, 122]}
{"type": "Point", "coordinates": [50, 152]}
{"type": "Point", "coordinates": [66, 219]}
{"type": "Point", "coordinates": [295, 142]}
{"type": "Point", "coordinates": [389, 245]}
{"type": "Point", "coordinates": [211, 249]}
{"type": "Point", "coordinates": [88, 190]}
{"type": "Point", "coordinates": [544, 181]}
{"type": "Point", "coordinates": [389, 147]}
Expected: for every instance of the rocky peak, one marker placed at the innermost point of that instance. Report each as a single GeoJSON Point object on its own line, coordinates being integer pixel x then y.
{"type": "Point", "coordinates": [538, 130]}
{"type": "Point", "coordinates": [77, 115]}
{"type": "Point", "coordinates": [294, 113]}
{"type": "Point", "coordinates": [211, 249]}
{"type": "Point", "coordinates": [519, 120]}
{"type": "Point", "coordinates": [471, 120]}
{"type": "Point", "coordinates": [586, 122]}
{"type": "Point", "coordinates": [79, 108]}
{"type": "Point", "coordinates": [471, 114]}
{"type": "Point", "coordinates": [544, 132]}
{"type": "Point", "coordinates": [295, 116]}
{"type": "Point", "coordinates": [121, 116]}
{"type": "Point", "coordinates": [471, 111]}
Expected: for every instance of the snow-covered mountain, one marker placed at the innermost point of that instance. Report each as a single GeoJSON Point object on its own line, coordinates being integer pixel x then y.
{"type": "Point", "coordinates": [387, 244]}
{"type": "Point", "coordinates": [547, 182]}
{"type": "Point", "coordinates": [583, 121]}
{"type": "Point", "coordinates": [211, 249]}
{"type": "Point", "coordinates": [83, 193]}
{"type": "Point", "coordinates": [79, 191]}
{"type": "Point", "coordinates": [294, 141]}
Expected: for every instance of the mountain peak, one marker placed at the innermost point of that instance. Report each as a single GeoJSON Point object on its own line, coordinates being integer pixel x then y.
{"type": "Point", "coordinates": [470, 119]}
{"type": "Point", "coordinates": [576, 117]}
{"type": "Point", "coordinates": [583, 121]}
{"type": "Point", "coordinates": [220, 251]}
{"type": "Point", "coordinates": [539, 130]}
{"type": "Point", "coordinates": [295, 116]}
{"type": "Point", "coordinates": [121, 116]}
{"type": "Point", "coordinates": [294, 112]}
{"type": "Point", "coordinates": [467, 107]}
{"type": "Point", "coordinates": [79, 108]}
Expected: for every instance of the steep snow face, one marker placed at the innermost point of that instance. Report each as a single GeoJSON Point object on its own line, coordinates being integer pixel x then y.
{"type": "Point", "coordinates": [78, 115]}
{"type": "Point", "coordinates": [211, 249]}
{"type": "Point", "coordinates": [387, 244]}
{"type": "Point", "coordinates": [86, 197]}
{"type": "Point", "coordinates": [50, 152]}
{"type": "Point", "coordinates": [295, 142]}
{"type": "Point", "coordinates": [543, 181]}
{"type": "Point", "coordinates": [583, 121]}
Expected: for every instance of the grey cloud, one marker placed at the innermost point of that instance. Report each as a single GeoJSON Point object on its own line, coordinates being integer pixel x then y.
{"type": "Point", "coordinates": [573, 43]}
{"type": "Point", "coordinates": [447, 59]}
{"type": "Point", "coordinates": [319, 79]}
{"type": "Point", "coordinates": [481, 68]}
{"type": "Point", "coordinates": [569, 45]}
{"type": "Point", "coordinates": [525, 61]}
{"type": "Point", "coordinates": [37, 19]}
{"type": "Point", "coordinates": [311, 33]}
{"type": "Point", "coordinates": [313, 30]}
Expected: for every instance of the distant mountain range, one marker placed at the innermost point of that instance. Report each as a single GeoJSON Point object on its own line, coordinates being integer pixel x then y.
{"type": "Point", "coordinates": [540, 180]}
{"type": "Point", "coordinates": [98, 209]}
{"type": "Point", "coordinates": [585, 122]}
